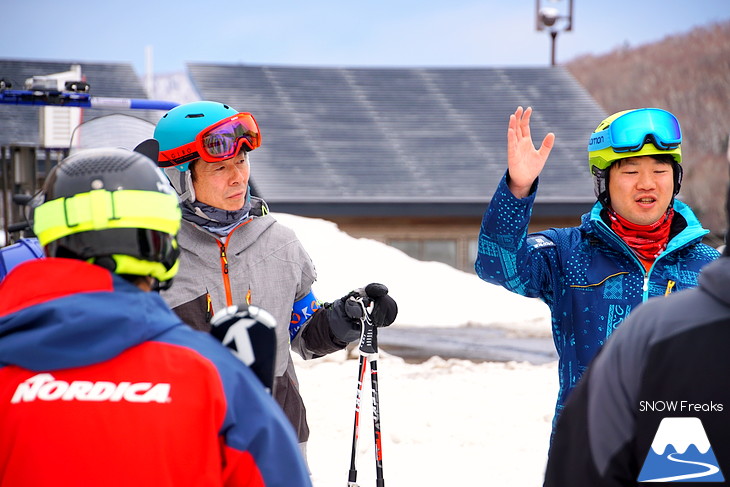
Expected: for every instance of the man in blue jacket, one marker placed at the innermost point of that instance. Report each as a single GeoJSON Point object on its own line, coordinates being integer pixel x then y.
{"type": "Point", "coordinates": [654, 405]}
{"type": "Point", "coordinates": [638, 241]}
{"type": "Point", "coordinates": [100, 382]}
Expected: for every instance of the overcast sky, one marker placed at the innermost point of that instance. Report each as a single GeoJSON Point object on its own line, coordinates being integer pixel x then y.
{"type": "Point", "coordinates": [329, 33]}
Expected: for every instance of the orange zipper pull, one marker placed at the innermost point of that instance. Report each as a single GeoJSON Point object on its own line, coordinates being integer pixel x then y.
{"type": "Point", "coordinates": [224, 259]}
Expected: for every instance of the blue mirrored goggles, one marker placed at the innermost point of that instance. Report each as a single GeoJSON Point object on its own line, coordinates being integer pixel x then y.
{"type": "Point", "coordinates": [630, 131]}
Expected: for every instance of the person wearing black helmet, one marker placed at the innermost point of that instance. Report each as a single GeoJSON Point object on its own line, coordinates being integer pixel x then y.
{"type": "Point", "coordinates": [638, 241]}
{"type": "Point", "coordinates": [233, 251]}
{"type": "Point", "coordinates": [100, 382]}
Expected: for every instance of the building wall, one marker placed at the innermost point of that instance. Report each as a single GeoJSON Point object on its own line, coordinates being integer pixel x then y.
{"type": "Point", "coordinates": [449, 240]}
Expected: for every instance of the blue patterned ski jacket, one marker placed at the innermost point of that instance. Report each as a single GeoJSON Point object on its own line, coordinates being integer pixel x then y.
{"type": "Point", "coordinates": [587, 275]}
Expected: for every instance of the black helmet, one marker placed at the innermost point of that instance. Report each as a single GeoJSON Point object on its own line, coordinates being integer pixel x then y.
{"type": "Point", "coordinates": [114, 208]}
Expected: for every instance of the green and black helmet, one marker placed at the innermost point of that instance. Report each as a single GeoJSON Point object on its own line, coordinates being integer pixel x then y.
{"type": "Point", "coordinates": [111, 207]}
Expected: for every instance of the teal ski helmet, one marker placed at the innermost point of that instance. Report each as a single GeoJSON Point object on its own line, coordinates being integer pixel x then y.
{"type": "Point", "coordinates": [206, 130]}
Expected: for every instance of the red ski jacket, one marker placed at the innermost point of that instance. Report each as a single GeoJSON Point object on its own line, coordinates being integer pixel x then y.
{"type": "Point", "coordinates": [101, 384]}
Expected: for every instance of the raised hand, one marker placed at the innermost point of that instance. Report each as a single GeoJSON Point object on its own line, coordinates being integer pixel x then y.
{"type": "Point", "coordinates": [525, 163]}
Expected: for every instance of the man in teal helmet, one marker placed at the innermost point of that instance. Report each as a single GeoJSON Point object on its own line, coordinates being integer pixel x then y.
{"type": "Point", "coordinates": [99, 381]}
{"type": "Point", "coordinates": [233, 251]}
{"type": "Point", "coordinates": [638, 241]}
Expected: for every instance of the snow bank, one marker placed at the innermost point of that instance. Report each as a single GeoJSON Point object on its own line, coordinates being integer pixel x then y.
{"type": "Point", "coordinates": [428, 293]}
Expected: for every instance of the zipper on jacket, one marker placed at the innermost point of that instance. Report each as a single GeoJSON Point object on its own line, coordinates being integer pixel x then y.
{"type": "Point", "coordinates": [646, 272]}
{"type": "Point", "coordinates": [208, 307]}
{"type": "Point", "coordinates": [670, 286]}
{"type": "Point", "coordinates": [224, 262]}
{"type": "Point", "coordinates": [224, 268]}
{"type": "Point", "coordinates": [599, 283]}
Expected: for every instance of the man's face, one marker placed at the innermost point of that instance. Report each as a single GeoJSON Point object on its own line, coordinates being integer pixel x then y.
{"type": "Point", "coordinates": [641, 189]}
{"type": "Point", "coordinates": [222, 184]}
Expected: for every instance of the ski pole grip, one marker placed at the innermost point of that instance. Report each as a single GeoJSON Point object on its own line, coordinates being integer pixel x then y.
{"type": "Point", "coordinates": [371, 291]}
{"type": "Point", "coordinates": [368, 337]}
{"type": "Point", "coordinates": [376, 290]}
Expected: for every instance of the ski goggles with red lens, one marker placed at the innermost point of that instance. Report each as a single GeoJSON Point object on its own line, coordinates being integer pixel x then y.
{"type": "Point", "coordinates": [630, 131]}
{"type": "Point", "coordinates": [220, 141]}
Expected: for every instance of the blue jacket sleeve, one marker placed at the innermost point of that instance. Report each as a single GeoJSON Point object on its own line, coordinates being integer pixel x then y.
{"type": "Point", "coordinates": [507, 255]}
{"type": "Point", "coordinates": [256, 424]}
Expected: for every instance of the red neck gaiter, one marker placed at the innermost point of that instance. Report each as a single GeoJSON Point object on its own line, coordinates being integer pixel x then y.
{"type": "Point", "coordinates": [648, 241]}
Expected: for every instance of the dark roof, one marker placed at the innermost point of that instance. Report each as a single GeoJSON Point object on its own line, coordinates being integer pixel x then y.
{"type": "Point", "coordinates": [395, 139]}
{"type": "Point", "coordinates": [20, 123]}
{"type": "Point", "coordinates": [375, 141]}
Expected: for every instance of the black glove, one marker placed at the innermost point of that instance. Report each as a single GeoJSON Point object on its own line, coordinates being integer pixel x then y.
{"type": "Point", "coordinates": [385, 309]}
{"type": "Point", "coordinates": [344, 319]}
{"type": "Point", "coordinates": [348, 311]}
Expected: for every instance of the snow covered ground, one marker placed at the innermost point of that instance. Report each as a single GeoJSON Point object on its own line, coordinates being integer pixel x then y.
{"type": "Point", "coordinates": [445, 422]}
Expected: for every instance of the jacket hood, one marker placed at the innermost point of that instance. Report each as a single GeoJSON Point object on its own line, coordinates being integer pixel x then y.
{"type": "Point", "coordinates": [61, 313]}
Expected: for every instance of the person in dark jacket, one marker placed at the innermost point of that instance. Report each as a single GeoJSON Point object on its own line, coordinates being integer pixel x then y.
{"type": "Point", "coordinates": [638, 241]}
{"type": "Point", "coordinates": [655, 403]}
{"type": "Point", "coordinates": [233, 251]}
{"type": "Point", "coordinates": [100, 382]}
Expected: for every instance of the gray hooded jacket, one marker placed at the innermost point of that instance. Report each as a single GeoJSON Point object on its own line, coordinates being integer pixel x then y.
{"type": "Point", "coordinates": [262, 263]}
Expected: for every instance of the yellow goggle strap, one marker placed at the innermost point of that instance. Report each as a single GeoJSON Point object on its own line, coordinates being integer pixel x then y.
{"type": "Point", "coordinates": [101, 209]}
{"type": "Point", "coordinates": [137, 267]}
{"type": "Point", "coordinates": [603, 158]}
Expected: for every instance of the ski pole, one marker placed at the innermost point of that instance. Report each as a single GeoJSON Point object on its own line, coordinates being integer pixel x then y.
{"type": "Point", "coordinates": [352, 477]}
{"type": "Point", "coordinates": [379, 481]}
{"type": "Point", "coordinates": [368, 350]}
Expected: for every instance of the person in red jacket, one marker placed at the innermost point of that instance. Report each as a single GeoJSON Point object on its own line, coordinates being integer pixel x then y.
{"type": "Point", "coordinates": [100, 382]}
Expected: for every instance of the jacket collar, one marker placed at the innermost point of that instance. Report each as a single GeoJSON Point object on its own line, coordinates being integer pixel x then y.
{"type": "Point", "coordinates": [198, 240]}
{"type": "Point", "coordinates": [592, 223]}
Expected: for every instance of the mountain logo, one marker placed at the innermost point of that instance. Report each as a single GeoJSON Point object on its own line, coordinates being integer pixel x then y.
{"type": "Point", "coordinates": [680, 452]}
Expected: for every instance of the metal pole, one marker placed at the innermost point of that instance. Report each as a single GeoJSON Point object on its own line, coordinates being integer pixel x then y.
{"type": "Point", "coordinates": [5, 170]}
{"type": "Point", "coordinates": [352, 475]}
{"type": "Point", "coordinates": [379, 481]}
{"type": "Point", "coordinates": [553, 36]}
